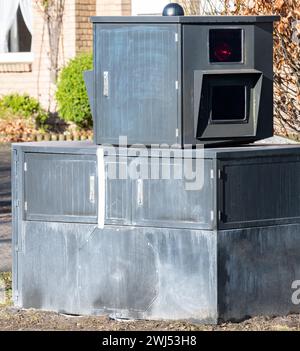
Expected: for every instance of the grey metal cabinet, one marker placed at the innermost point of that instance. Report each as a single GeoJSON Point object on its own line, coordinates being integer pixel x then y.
{"type": "Point", "coordinates": [259, 191]}
{"type": "Point", "coordinates": [169, 200]}
{"type": "Point", "coordinates": [136, 70]}
{"type": "Point", "coordinates": [118, 194]}
{"type": "Point", "coordinates": [173, 202]}
{"type": "Point", "coordinates": [60, 187]}
{"type": "Point", "coordinates": [165, 251]}
{"type": "Point", "coordinates": [161, 80]}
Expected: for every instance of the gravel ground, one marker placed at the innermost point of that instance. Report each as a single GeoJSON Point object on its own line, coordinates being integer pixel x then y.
{"type": "Point", "coordinates": [15, 319]}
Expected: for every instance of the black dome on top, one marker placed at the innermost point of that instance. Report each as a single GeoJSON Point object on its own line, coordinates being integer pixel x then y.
{"type": "Point", "coordinates": [173, 9]}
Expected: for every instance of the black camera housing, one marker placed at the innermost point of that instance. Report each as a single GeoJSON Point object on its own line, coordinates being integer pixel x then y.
{"type": "Point", "coordinates": [182, 80]}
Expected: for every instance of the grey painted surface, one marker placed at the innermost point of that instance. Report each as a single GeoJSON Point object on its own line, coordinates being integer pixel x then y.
{"type": "Point", "coordinates": [184, 19]}
{"type": "Point", "coordinates": [148, 82]}
{"type": "Point", "coordinates": [59, 187]}
{"type": "Point", "coordinates": [170, 203]}
{"type": "Point", "coordinates": [136, 68]}
{"type": "Point", "coordinates": [89, 84]}
{"type": "Point", "coordinates": [225, 152]}
{"type": "Point", "coordinates": [263, 59]}
{"type": "Point", "coordinates": [259, 191]}
{"type": "Point", "coordinates": [139, 272]}
{"type": "Point", "coordinates": [128, 271]}
{"type": "Point", "coordinates": [256, 268]}
{"type": "Point", "coordinates": [199, 75]}
{"type": "Point", "coordinates": [150, 270]}
{"type": "Point", "coordinates": [242, 187]}
{"type": "Point", "coordinates": [48, 265]}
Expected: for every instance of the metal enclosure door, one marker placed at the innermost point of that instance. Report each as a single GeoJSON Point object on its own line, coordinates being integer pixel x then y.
{"type": "Point", "coordinates": [60, 187]}
{"type": "Point", "coordinates": [176, 203]}
{"type": "Point", "coordinates": [117, 192]}
{"type": "Point", "coordinates": [259, 191]}
{"type": "Point", "coordinates": [136, 82]}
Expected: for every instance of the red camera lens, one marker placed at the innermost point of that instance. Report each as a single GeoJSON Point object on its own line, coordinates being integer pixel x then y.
{"type": "Point", "coordinates": [222, 52]}
{"type": "Point", "coordinates": [225, 45]}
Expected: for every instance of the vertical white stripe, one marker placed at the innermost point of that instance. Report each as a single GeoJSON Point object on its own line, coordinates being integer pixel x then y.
{"type": "Point", "coordinates": [101, 187]}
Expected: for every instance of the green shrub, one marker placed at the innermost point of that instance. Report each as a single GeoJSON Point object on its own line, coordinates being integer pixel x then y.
{"type": "Point", "coordinates": [71, 95]}
{"type": "Point", "coordinates": [25, 106]}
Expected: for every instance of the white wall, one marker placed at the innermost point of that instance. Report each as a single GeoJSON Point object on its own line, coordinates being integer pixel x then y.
{"type": "Point", "coordinates": [147, 7]}
{"type": "Point", "coordinates": [155, 7]}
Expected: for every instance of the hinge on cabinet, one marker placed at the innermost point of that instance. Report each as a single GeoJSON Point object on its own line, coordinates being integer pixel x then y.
{"type": "Point", "coordinates": [25, 166]}
{"type": "Point", "coordinates": [212, 174]}
{"type": "Point", "coordinates": [212, 215]}
{"type": "Point", "coordinates": [176, 85]}
{"type": "Point", "coordinates": [176, 37]}
{"type": "Point", "coordinates": [177, 132]}
{"type": "Point", "coordinates": [221, 174]}
{"type": "Point", "coordinates": [25, 206]}
{"type": "Point", "coordinates": [220, 215]}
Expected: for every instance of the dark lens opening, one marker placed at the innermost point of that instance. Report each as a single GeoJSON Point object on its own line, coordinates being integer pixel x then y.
{"type": "Point", "coordinates": [228, 103]}
{"type": "Point", "coordinates": [225, 45]}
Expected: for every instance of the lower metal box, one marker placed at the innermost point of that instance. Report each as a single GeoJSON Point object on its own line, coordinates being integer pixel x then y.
{"type": "Point", "coordinates": [158, 273]}
{"type": "Point", "coordinates": [152, 249]}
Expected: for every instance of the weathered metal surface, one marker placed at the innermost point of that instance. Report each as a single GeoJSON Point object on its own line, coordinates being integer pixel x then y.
{"type": "Point", "coordinates": [133, 272]}
{"type": "Point", "coordinates": [140, 272]}
{"type": "Point", "coordinates": [256, 269]}
{"type": "Point", "coordinates": [242, 187]}
{"type": "Point", "coordinates": [89, 83]}
{"type": "Point", "coordinates": [136, 70]}
{"type": "Point", "coordinates": [141, 267]}
{"type": "Point", "coordinates": [60, 187]}
{"type": "Point", "coordinates": [148, 82]}
{"type": "Point", "coordinates": [259, 191]}
{"type": "Point", "coordinates": [184, 19]}
{"type": "Point", "coordinates": [151, 273]}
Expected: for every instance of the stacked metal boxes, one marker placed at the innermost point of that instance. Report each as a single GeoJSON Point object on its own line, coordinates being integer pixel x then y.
{"type": "Point", "coordinates": [102, 229]}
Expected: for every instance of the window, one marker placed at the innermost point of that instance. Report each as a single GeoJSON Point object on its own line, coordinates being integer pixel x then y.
{"type": "Point", "coordinates": [19, 37]}
{"type": "Point", "coordinates": [15, 29]}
